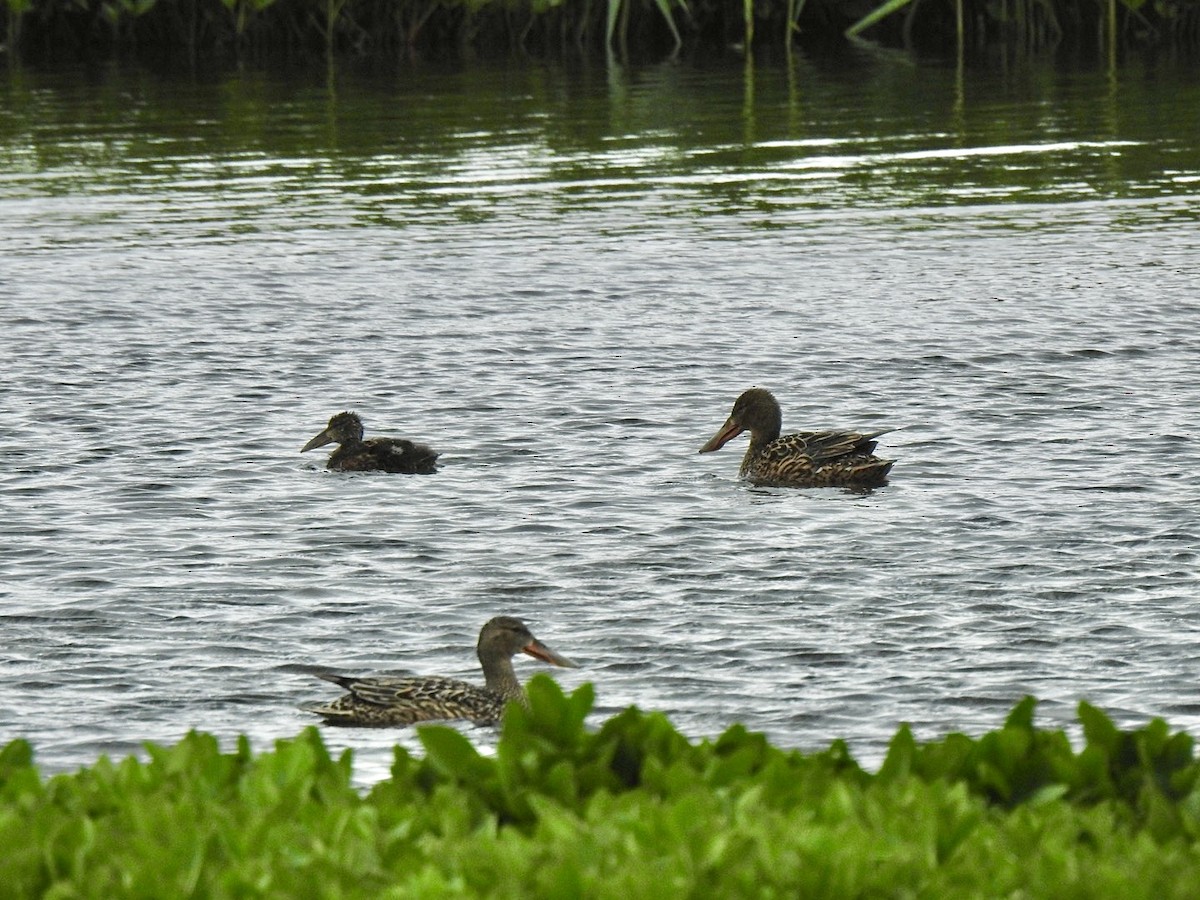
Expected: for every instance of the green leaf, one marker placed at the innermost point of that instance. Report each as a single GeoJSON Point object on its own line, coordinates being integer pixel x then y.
{"type": "Point", "coordinates": [16, 754]}
{"type": "Point", "coordinates": [875, 15]}
{"type": "Point", "coordinates": [1048, 794]}
{"type": "Point", "coordinates": [581, 701]}
{"type": "Point", "coordinates": [1098, 729]}
{"type": "Point", "coordinates": [1022, 714]}
{"type": "Point", "coordinates": [898, 763]}
{"type": "Point", "coordinates": [449, 750]}
{"type": "Point", "coordinates": [610, 27]}
{"type": "Point", "coordinates": [664, 7]}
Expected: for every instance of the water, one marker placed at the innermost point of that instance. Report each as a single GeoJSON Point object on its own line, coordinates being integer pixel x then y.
{"type": "Point", "coordinates": [562, 280]}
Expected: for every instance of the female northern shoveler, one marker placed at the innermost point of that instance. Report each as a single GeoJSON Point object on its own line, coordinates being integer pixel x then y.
{"type": "Point", "coordinates": [804, 459]}
{"type": "Point", "coordinates": [385, 700]}
{"type": "Point", "coordinates": [381, 454]}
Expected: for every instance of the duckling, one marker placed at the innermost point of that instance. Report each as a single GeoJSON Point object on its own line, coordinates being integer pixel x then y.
{"type": "Point", "coordinates": [379, 454]}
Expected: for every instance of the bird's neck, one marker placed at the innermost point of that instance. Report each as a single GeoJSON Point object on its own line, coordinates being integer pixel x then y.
{"type": "Point", "coordinates": [759, 439]}
{"type": "Point", "coordinates": [500, 678]}
{"type": "Point", "coordinates": [347, 448]}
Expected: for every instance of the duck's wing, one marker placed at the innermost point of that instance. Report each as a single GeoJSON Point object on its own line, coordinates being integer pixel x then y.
{"type": "Point", "coordinates": [383, 701]}
{"type": "Point", "coordinates": [399, 690]}
{"type": "Point", "coordinates": [401, 455]}
{"type": "Point", "coordinates": [823, 446]}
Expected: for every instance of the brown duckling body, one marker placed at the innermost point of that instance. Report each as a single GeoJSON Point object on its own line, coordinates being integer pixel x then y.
{"type": "Point", "coordinates": [380, 454]}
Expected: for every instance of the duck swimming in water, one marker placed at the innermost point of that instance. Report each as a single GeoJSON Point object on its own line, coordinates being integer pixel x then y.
{"type": "Point", "coordinates": [403, 700]}
{"type": "Point", "coordinates": [380, 454]}
{"type": "Point", "coordinates": [803, 459]}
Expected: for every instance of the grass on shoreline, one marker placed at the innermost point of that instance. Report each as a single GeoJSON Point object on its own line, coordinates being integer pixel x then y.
{"type": "Point", "coordinates": [195, 30]}
{"type": "Point", "coordinates": [631, 810]}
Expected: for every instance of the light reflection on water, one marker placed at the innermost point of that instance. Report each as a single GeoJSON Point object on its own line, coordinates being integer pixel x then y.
{"type": "Point", "coordinates": [565, 299]}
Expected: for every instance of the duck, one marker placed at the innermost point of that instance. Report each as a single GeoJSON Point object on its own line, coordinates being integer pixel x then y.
{"type": "Point", "coordinates": [802, 459]}
{"type": "Point", "coordinates": [379, 454]}
{"type": "Point", "coordinates": [382, 701]}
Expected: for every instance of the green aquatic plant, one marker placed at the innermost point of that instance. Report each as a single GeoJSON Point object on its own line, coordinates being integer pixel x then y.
{"type": "Point", "coordinates": [14, 14]}
{"type": "Point", "coordinates": [875, 15]}
{"type": "Point", "coordinates": [115, 10]}
{"type": "Point", "coordinates": [630, 809]}
{"type": "Point", "coordinates": [218, 29]}
{"type": "Point", "coordinates": [243, 10]}
{"type": "Point", "coordinates": [618, 12]}
{"type": "Point", "coordinates": [1039, 23]}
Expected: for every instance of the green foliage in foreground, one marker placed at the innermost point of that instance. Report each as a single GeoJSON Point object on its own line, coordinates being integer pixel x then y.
{"type": "Point", "coordinates": [632, 810]}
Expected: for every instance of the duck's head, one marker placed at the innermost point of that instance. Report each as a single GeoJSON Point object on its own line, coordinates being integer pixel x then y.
{"type": "Point", "coordinates": [344, 427]}
{"type": "Point", "coordinates": [504, 637]}
{"type": "Point", "coordinates": [755, 411]}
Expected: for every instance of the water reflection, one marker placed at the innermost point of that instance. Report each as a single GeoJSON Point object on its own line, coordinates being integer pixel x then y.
{"type": "Point", "coordinates": [908, 131]}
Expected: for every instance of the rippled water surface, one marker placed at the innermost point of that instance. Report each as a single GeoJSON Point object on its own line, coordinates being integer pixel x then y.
{"type": "Point", "coordinates": [561, 280]}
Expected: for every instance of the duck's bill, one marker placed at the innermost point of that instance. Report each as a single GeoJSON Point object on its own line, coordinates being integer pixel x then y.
{"type": "Point", "coordinates": [319, 441]}
{"type": "Point", "coordinates": [538, 650]}
{"type": "Point", "coordinates": [727, 433]}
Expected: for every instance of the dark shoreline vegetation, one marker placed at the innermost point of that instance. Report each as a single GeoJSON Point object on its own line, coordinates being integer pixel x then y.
{"type": "Point", "coordinates": [215, 30]}
{"type": "Point", "coordinates": [633, 809]}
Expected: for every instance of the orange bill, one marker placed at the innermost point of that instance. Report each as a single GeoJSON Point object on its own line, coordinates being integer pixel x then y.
{"type": "Point", "coordinates": [538, 650]}
{"type": "Point", "coordinates": [727, 433]}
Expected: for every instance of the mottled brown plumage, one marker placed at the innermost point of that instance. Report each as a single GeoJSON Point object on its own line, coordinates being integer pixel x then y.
{"type": "Point", "coordinates": [403, 700]}
{"type": "Point", "coordinates": [803, 459]}
{"type": "Point", "coordinates": [381, 454]}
